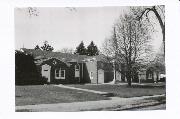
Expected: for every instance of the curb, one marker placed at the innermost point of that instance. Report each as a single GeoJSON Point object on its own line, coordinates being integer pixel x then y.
{"type": "Point", "coordinates": [146, 101]}
{"type": "Point", "coordinates": [130, 107]}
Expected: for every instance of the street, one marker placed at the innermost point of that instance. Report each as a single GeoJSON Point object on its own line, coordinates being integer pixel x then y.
{"type": "Point", "coordinates": [156, 107]}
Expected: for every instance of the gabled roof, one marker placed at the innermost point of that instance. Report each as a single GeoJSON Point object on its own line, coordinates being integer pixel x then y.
{"type": "Point", "coordinates": [39, 54]}
{"type": "Point", "coordinates": [68, 64]}
{"type": "Point", "coordinates": [66, 57]}
{"type": "Point", "coordinates": [99, 57]}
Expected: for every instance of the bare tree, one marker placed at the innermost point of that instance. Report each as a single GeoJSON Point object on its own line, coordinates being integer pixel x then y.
{"type": "Point", "coordinates": [159, 12]}
{"type": "Point", "coordinates": [130, 43]}
{"type": "Point", "coordinates": [107, 48]}
{"type": "Point", "coordinates": [47, 47]}
{"type": "Point", "coordinates": [67, 50]}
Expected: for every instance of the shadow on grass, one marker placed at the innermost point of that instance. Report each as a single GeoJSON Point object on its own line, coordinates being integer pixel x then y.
{"type": "Point", "coordinates": [145, 86]}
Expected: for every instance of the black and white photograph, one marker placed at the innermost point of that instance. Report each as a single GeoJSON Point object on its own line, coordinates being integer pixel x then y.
{"type": "Point", "coordinates": [72, 59]}
{"type": "Point", "coordinates": [92, 59]}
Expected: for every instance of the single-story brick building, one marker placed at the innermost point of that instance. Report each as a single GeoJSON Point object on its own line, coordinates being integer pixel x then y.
{"type": "Point", "coordinates": [66, 68]}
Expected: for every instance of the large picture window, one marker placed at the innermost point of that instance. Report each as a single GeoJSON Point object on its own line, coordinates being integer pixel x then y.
{"type": "Point", "coordinates": [59, 74]}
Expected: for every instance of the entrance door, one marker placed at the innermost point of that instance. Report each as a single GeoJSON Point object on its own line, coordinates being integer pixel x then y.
{"type": "Point", "coordinates": [77, 73]}
{"type": "Point", "coordinates": [100, 76]}
{"type": "Point", "coordinates": [46, 72]}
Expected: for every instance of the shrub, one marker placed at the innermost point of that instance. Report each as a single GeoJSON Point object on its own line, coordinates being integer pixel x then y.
{"type": "Point", "coordinates": [44, 80]}
{"type": "Point", "coordinates": [147, 81]}
{"type": "Point", "coordinates": [26, 72]}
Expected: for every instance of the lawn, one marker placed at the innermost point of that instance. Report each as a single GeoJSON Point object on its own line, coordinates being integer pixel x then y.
{"type": "Point", "coordinates": [46, 94]}
{"type": "Point", "coordinates": [126, 91]}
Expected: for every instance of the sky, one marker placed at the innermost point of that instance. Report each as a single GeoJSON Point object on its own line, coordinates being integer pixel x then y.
{"type": "Point", "coordinates": [67, 27]}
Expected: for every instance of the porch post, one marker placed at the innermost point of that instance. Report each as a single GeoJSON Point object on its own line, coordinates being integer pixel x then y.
{"type": "Point", "coordinates": [114, 79]}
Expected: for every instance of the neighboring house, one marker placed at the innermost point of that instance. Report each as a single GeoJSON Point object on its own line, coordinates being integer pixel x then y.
{"type": "Point", "coordinates": [65, 68]}
{"type": "Point", "coordinates": [151, 73]}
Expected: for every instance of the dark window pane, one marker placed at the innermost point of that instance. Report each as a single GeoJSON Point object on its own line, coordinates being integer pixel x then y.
{"type": "Point", "coordinates": [57, 73]}
{"type": "Point", "coordinates": [62, 73]}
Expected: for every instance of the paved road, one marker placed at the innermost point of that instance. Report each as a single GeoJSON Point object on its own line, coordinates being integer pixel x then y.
{"type": "Point", "coordinates": [157, 107]}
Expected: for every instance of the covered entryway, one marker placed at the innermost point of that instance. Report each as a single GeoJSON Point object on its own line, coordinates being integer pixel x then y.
{"type": "Point", "coordinates": [46, 72]}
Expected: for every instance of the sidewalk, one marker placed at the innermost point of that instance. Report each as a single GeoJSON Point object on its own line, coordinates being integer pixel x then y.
{"type": "Point", "coordinates": [107, 94]}
{"type": "Point", "coordinates": [115, 102]}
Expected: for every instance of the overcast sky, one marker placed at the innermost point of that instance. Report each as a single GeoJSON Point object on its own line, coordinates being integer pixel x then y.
{"type": "Point", "coordinates": [66, 27]}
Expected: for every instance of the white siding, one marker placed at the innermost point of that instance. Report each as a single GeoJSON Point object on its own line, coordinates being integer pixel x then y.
{"type": "Point", "coordinates": [46, 71]}
{"type": "Point", "coordinates": [100, 76]}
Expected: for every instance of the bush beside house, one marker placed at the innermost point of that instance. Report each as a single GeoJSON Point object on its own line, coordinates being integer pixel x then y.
{"type": "Point", "coordinates": [26, 72]}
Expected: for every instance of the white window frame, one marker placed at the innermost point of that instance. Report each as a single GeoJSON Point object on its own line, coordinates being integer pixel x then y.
{"type": "Point", "coordinates": [77, 69]}
{"type": "Point", "coordinates": [150, 76]}
{"type": "Point", "coordinates": [91, 75]}
{"type": "Point", "coordinates": [59, 77]}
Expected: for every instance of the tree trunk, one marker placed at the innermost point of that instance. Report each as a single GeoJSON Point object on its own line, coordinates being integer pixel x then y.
{"type": "Point", "coordinates": [161, 24]}
{"type": "Point", "coordinates": [163, 32]}
{"type": "Point", "coordinates": [128, 76]}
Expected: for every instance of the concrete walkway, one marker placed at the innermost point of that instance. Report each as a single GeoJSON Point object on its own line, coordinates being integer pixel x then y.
{"type": "Point", "coordinates": [113, 103]}
{"type": "Point", "coordinates": [81, 89]}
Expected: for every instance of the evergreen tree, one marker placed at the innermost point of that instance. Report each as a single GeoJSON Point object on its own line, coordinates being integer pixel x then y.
{"type": "Point", "coordinates": [47, 47]}
{"type": "Point", "coordinates": [92, 49]}
{"type": "Point", "coordinates": [81, 50]}
{"type": "Point", "coordinates": [37, 47]}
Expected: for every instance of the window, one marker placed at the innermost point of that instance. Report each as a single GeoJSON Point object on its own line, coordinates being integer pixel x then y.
{"type": "Point", "coordinates": [62, 74]}
{"type": "Point", "coordinates": [150, 76]}
{"type": "Point", "coordinates": [91, 75]}
{"type": "Point", "coordinates": [59, 74]}
{"type": "Point", "coordinates": [77, 67]}
{"type": "Point", "coordinates": [77, 70]}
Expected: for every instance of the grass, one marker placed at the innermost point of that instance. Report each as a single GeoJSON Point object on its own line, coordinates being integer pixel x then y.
{"type": "Point", "coordinates": [46, 94]}
{"type": "Point", "coordinates": [125, 91]}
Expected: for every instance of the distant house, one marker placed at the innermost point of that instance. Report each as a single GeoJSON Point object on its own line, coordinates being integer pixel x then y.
{"type": "Point", "coordinates": [151, 73]}
{"type": "Point", "coordinates": [66, 68]}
